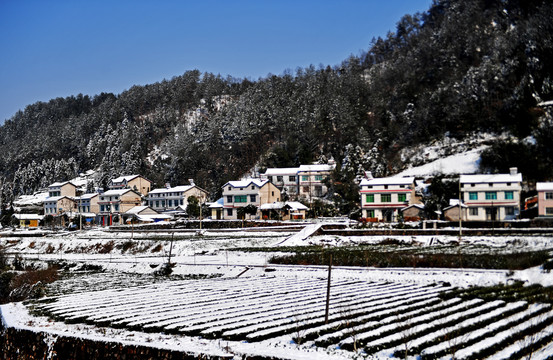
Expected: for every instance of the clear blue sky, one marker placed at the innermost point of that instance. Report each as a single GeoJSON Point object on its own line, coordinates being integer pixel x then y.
{"type": "Point", "coordinates": [58, 48]}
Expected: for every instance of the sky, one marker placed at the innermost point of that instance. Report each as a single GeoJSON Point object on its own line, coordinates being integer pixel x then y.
{"type": "Point", "coordinates": [59, 48]}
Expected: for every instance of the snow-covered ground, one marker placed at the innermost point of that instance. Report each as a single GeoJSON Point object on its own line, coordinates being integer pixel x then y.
{"type": "Point", "coordinates": [253, 307]}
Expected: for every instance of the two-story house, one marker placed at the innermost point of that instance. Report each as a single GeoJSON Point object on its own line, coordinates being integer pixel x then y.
{"type": "Point", "coordinates": [492, 196]}
{"type": "Point", "coordinates": [137, 183]}
{"type": "Point", "coordinates": [172, 197]}
{"type": "Point", "coordinates": [237, 194]}
{"type": "Point", "coordinates": [65, 188]}
{"type": "Point", "coordinates": [311, 180]}
{"type": "Point", "coordinates": [88, 203]}
{"type": "Point", "coordinates": [383, 198]}
{"type": "Point", "coordinates": [545, 198]}
{"type": "Point", "coordinates": [57, 205]}
{"type": "Point", "coordinates": [285, 179]}
{"type": "Point", "coordinates": [113, 203]}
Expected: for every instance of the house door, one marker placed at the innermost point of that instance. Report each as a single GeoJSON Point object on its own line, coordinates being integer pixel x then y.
{"type": "Point", "coordinates": [491, 213]}
{"type": "Point", "coordinates": [388, 215]}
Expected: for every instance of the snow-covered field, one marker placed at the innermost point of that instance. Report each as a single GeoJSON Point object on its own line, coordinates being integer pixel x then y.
{"type": "Point", "coordinates": [223, 302]}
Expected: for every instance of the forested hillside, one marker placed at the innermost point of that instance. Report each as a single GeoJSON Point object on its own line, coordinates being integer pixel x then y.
{"type": "Point", "coordinates": [462, 66]}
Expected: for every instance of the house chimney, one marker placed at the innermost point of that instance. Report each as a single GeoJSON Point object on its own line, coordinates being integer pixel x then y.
{"type": "Point", "coordinates": [513, 170]}
{"type": "Point", "coordinates": [191, 181]}
{"type": "Point", "coordinates": [368, 175]}
{"type": "Point", "coordinates": [167, 185]}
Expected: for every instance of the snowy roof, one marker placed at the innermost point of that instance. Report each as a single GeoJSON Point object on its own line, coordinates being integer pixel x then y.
{"type": "Point", "coordinates": [180, 188]}
{"type": "Point", "coordinates": [293, 205]}
{"type": "Point", "coordinates": [123, 178]}
{"type": "Point", "coordinates": [544, 186]}
{"type": "Point", "coordinates": [58, 184]}
{"type": "Point", "coordinates": [316, 167]}
{"type": "Point", "coordinates": [281, 171]}
{"type": "Point", "coordinates": [490, 178]}
{"type": "Point", "coordinates": [388, 181]}
{"type": "Point", "coordinates": [56, 198]}
{"type": "Point", "coordinates": [154, 217]}
{"type": "Point", "coordinates": [117, 192]}
{"type": "Point", "coordinates": [418, 206]}
{"type": "Point", "coordinates": [88, 196]}
{"type": "Point", "coordinates": [28, 216]}
{"type": "Point", "coordinates": [27, 200]}
{"type": "Point", "coordinates": [246, 183]}
{"type": "Point", "coordinates": [138, 210]}
{"type": "Point", "coordinates": [217, 204]}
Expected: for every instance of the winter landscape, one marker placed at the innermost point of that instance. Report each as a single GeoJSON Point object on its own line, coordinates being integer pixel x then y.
{"type": "Point", "coordinates": [395, 205]}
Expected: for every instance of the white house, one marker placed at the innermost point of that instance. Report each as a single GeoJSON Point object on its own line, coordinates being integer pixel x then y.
{"type": "Point", "coordinates": [311, 180]}
{"type": "Point", "coordinates": [172, 197]}
{"type": "Point", "coordinates": [383, 198]}
{"type": "Point", "coordinates": [237, 194]}
{"type": "Point", "coordinates": [285, 179]}
{"type": "Point", "coordinates": [492, 196]}
{"type": "Point", "coordinates": [545, 198]}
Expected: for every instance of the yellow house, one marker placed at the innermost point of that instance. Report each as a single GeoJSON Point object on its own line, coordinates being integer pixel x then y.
{"type": "Point", "coordinates": [137, 183]}
{"type": "Point", "coordinates": [28, 220]}
{"type": "Point", "coordinates": [65, 188]}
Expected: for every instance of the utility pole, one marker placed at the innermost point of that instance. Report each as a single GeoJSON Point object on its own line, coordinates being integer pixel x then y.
{"type": "Point", "coordinates": [460, 212]}
{"type": "Point", "coordinates": [328, 288]}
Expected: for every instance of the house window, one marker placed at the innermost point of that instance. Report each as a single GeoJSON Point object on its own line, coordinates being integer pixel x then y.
{"type": "Point", "coordinates": [181, 201]}
{"type": "Point", "coordinates": [473, 211]}
{"type": "Point", "coordinates": [369, 198]}
{"type": "Point", "coordinates": [253, 187]}
{"type": "Point", "coordinates": [509, 195]}
{"type": "Point", "coordinates": [101, 208]}
{"type": "Point", "coordinates": [229, 188]}
{"type": "Point", "coordinates": [491, 195]}
{"type": "Point", "coordinates": [472, 185]}
{"type": "Point", "coordinates": [229, 212]}
{"type": "Point", "coordinates": [170, 203]}
{"type": "Point", "coordinates": [386, 187]}
{"type": "Point", "coordinates": [370, 213]}
{"type": "Point", "coordinates": [385, 198]}
{"type": "Point", "coordinates": [305, 178]}
{"type": "Point", "coordinates": [508, 184]}
{"type": "Point", "coordinates": [509, 210]}
{"type": "Point", "coordinates": [318, 178]}
{"type": "Point", "coordinates": [490, 184]}
{"type": "Point", "coordinates": [473, 195]}
{"type": "Point", "coordinates": [229, 198]}
{"type": "Point", "coordinates": [272, 193]}
{"type": "Point", "coordinates": [253, 198]}
{"type": "Point", "coordinates": [240, 198]}
{"type": "Point", "coordinates": [270, 178]}
{"type": "Point", "coordinates": [116, 207]}
{"type": "Point", "coordinates": [292, 178]}
{"type": "Point", "coordinates": [157, 203]}
{"type": "Point", "coordinates": [401, 197]}
{"type": "Point", "coordinates": [549, 196]}
{"type": "Point", "coordinates": [279, 178]}
{"type": "Point", "coordinates": [549, 211]}
{"type": "Point", "coordinates": [305, 189]}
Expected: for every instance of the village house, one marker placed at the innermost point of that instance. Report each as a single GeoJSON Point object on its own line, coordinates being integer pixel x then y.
{"type": "Point", "coordinates": [545, 198]}
{"type": "Point", "coordinates": [28, 220]}
{"type": "Point", "coordinates": [65, 188]}
{"type": "Point", "coordinates": [455, 210]}
{"type": "Point", "coordinates": [172, 198]}
{"type": "Point", "coordinates": [383, 198]}
{"type": "Point", "coordinates": [57, 205]}
{"type": "Point", "coordinates": [113, 203]}
{"type": "Point", "coordinates": [88, 203]}
{"type": "Point", "coordinates": [137, 183]}
{"type": "Point", "coordinates": [311, 179]}
{"type": "Point", "coordinates": [285, 179]}
{"type": "Point", "coordinates": [144, 214]}
{"type": "Point", "coordinates": [238, 194]}
{"type": "Point", "coordinates": [289, 210]}
{"type": "Point", "coordinates": [492, 197]}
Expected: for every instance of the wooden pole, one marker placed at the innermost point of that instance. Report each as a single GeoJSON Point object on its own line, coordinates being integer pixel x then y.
{"type": "Point", "coordinates": [328, 289]}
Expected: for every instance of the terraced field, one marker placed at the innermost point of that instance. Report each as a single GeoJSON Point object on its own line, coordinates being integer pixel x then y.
{"type": "Point", "coordinates": [371, 318]}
